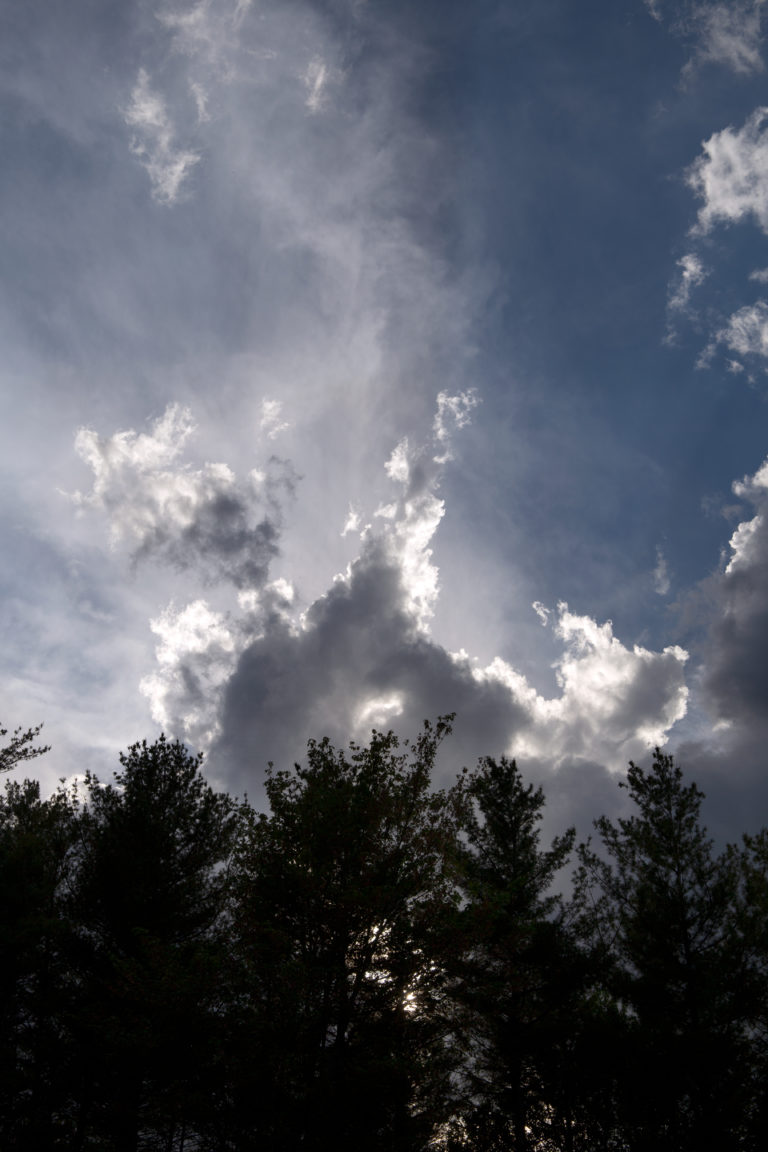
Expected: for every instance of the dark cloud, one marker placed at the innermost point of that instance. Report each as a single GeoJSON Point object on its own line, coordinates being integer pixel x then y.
{"type": "Point", "coordinates": [735, 673]}
{"type": "Point", "coordinates": [362, 657]}
{"type": "Point", "coordinates": [202, 520]}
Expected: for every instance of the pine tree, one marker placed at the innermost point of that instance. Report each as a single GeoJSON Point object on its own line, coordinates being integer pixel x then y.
{"type": "Point", "coordinates": [658, 902]}
{"type": "Point", "coordinates": [149, 904]}
{"type": "Point", "coordinates": [520, 976]}
{"type": "Point", "coordinates": [344, 892]}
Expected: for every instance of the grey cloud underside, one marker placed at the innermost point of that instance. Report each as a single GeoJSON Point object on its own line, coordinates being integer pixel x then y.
{"type": "Point", "coordinates": [731, 762]}
{"type": "Point", "coordinates": [225, 541]}
{"type": "Point", "coordinates": [205, 519]}
{"type": "Point", "coordinates": [358, 644]}
{"type": "Point", "coordinates": [736, 670]}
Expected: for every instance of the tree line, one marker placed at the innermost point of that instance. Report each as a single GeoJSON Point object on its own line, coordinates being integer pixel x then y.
{"type": "Point", "coordinates": [374, 963]}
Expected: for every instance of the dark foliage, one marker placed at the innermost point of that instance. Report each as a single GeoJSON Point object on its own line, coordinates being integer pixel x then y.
{"type": "Point", "coordinates": [374, 963]}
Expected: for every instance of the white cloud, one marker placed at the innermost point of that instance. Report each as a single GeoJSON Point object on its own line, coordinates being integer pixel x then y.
{"type": "Point", "coordinates": [661, 582]}
{"type": "Point", "coordinates": [760, 275]}
{"type": "Point", "coordinates": [201, 519]}
{"type": "Point", "coordinates": [270, 422]}
{"type": "Point", "coordinates": [363, 654]}
{"type": "Point", "coordinates": [316, 80]}
{"type": "Point", "coordinates": [453, 412]}
{"type": "Point", "coordinates": [735, 673]}
{"type": "Point", "coordinates": [746, 332]}
{"type": "Point", "coordinates": [692, 274]}
{"type": "Point", "coordinates": [352, 522]}
{"type": "Point", "coordinates": [195, 657]}
{"type": "Point", "coordinates": [542, 612]}
{"type": "Point", "coordinates": [732, 175]}
{"type": "Point", "coordinates": [615, 702]}
{"type": "Point", "coordinates": [153, 142]}
{"type": "Point", "coordinates": [201, 101]}
{"type": "Point", "coordinates": [728, 34]}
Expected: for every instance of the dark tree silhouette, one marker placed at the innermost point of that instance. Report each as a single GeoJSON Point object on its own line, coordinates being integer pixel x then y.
{"type": "Point", "coordinates": [344, 891]}
{"type": "Point", "coordinates": [21, 747]}
{"type": "Point", "coordinates": [149, 904]}
{"type": "Point", "coordinates": [660, 903]}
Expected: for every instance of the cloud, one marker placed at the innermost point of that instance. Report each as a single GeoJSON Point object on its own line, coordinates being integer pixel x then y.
{"type": "Point", "coordinates": [732, 175]}
{"type": "Point", "coordinates": [729, 35]}
{"type": "Point", "coordinates": [453, 413]}
{"type": "Point", "coordinates": [735, 675]}
{"type": "Point", "coordinates": [692, 274]}
{"type": "Point", "coordinates": [153, 140]}
{"type": "Point", "coordinates": [316, 81]}
{"type": "Point", "coordinates": [746, 334]}
{"type": "Point", "coordinates": [726, 755]}
{"type": "Point", "coordinates": [204, 520]}
{"type": "Point", "coordinates": [270, 423]}
{"type": "Point", "coordinates": [363, 654]}
{"type": "Point", "coordinates": [194, 659]}
{"type": "Point", "coordinates": [661, 582]}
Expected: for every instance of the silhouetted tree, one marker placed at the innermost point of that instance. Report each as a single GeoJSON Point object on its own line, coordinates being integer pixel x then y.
{"type": "Point", "coordinates": [344, 892]}
{"type": "Point", "coordinates": [659, 903]}
{"type": "Point", "coordinates": [521, 974]}
{"type": "Point", "coordinates": [21, 747]}
{"type": "Point", "coordinates": [36, 993]}
{"type": "Point", "coordinates": [149, 904]}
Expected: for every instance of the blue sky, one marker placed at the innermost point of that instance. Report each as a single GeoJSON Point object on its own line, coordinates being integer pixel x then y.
{"type": "Point", "coordinates": [366, 361]}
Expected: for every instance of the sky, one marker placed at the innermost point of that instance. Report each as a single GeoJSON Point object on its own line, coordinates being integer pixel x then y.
{"type": "Point", "coordinates": [370, 360]}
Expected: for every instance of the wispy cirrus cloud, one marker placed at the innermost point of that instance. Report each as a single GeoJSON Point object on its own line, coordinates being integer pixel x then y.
{"type": "Point", "coordinates": [722, 33]}
{"type": "Point", "coordinates": [729, 35]}
{"type": "Point", "coordinates": [154, 140]}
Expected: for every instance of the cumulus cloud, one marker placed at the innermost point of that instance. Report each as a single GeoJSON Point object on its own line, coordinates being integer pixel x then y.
{"type": "Point", "coordinates": [745, 333]}
{"type": "Point", "coordinates": [153, 140]}
{"type": "Point", "coordinates": [729, 35]}
{"type": "Point", "coordinates": [194, 658]}
{"type": "Point", "coordinates": [732, 175]}
{"type": "Point", "coordinates": [735, 676]}
{"type": "Point", "coordinates": [205, 519]}
{"type": "Point", "coordinates": [728, 756]}
{"type": "Point", "coordinates": [363, 654]}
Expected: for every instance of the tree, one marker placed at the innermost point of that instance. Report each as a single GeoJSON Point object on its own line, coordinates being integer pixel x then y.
{"type": "Point", "coordinates": [520, 975]}
{"type": "Point", "coordinates": [37, 839]}
{"type": "Point", "coordinates": [21, 747]}
{"type": "Point", "coordinates": [344, 894]}
{"type": "Point", "coordinates": [659, 903]}
{"type": "Point", "coordinates": [149, 903]}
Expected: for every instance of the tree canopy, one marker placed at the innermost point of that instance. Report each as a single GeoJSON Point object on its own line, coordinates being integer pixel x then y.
{"type": "Point", "coordinates": [375, 962]}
